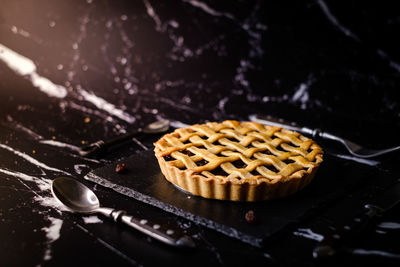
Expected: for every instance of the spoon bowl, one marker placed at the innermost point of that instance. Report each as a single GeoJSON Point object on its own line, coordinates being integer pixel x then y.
{"type": "Point", "coordinates": [75, 195]}
{"type": "Point", "coordinates": [157, 127]}
{"type": "Point", "coordinates": [79, 198]}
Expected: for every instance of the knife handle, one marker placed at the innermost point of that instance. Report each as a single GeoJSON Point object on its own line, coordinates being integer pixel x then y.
{"type": "Point", "coordinates": [156, 231]}
{"type": "Point", "coordinates": [103, 145]}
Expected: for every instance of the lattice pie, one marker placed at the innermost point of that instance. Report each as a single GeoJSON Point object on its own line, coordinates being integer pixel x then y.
{"type": "Point", "coordinates": [238, 161]}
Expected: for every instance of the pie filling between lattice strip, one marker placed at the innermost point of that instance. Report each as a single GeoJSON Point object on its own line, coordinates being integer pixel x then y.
{"type": "Point", "coordinates": [238, 161]}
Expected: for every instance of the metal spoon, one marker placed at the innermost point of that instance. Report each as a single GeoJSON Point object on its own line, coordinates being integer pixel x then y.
{"type": "Point", "coordinates": [152, 128]}
{"type": "Point", "coordinates": [79, 198]}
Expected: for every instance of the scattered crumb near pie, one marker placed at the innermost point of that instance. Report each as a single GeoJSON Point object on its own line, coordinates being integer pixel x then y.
{"type": "Point", "coordinates": [250, 217]}
{"type": "Point", "coordinates": [120, 168]}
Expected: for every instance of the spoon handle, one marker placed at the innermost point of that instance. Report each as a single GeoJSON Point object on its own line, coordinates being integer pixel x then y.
{"type": "Point", "coordinates": [155, 231]}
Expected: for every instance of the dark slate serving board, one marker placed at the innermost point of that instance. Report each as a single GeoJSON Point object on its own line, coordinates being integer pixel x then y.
{"type": "Point", "coordinates": [143, 181]}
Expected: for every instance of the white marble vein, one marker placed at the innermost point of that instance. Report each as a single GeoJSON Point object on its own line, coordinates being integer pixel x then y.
{"type": "Point", "coordinates": [52, 233]}
{"type": "Point", "coordinates": [207, 9]}
{"type": "Point", "coordinates": [102, 104]}
{"type": "Point", "coordinates": [389, 225]}
{"type": "Point", "coordinates": [26, 67]}
{"type": "Point", "coordinates": [153, 15]}
{"type": "Point", "coordinates": [59, 144]}
{"type": "Point", "coordinates": [309, 234]}
{"type": "Point", "coordinates": [324, 7]}
{"type": "Point", "coordinates": [301, 94]}
{"type": "Point", "coordinates": [31, 159]}
{"type": "Point", "coordinates": [91, 219]}
{"type": "Point", "coordinates": [346, 31]}
{"type": "Point", "coordinates": [367, 252]}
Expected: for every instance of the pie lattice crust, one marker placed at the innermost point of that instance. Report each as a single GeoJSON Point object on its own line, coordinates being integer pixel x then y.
{"type": "Point", "coordinates": [238, 161]}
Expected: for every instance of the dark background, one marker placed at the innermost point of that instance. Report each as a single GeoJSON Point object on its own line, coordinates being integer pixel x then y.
{"type": "Point", "coordinates": [122, 64]}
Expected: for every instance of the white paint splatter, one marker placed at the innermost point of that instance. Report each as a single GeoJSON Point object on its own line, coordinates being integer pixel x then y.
{"type": "Point", "coordinates": [309, 234]}
{"type": "Point", "coordinates": [25, 67]}
{"type": "Point", "coordinates": [92, 219]}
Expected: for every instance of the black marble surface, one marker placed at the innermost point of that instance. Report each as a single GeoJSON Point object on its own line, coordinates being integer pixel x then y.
{"type": "Point", "coordinates": [73, 72]}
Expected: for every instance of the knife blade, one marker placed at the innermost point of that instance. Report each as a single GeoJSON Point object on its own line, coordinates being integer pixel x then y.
{"type": "Point", "coordinates": [269, 120]}
{"type": "Point", "coordinates": [351, 147]}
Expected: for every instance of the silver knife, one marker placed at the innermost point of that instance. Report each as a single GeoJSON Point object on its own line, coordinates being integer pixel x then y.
{"type": "Point", "coordinates": [269, 120]}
